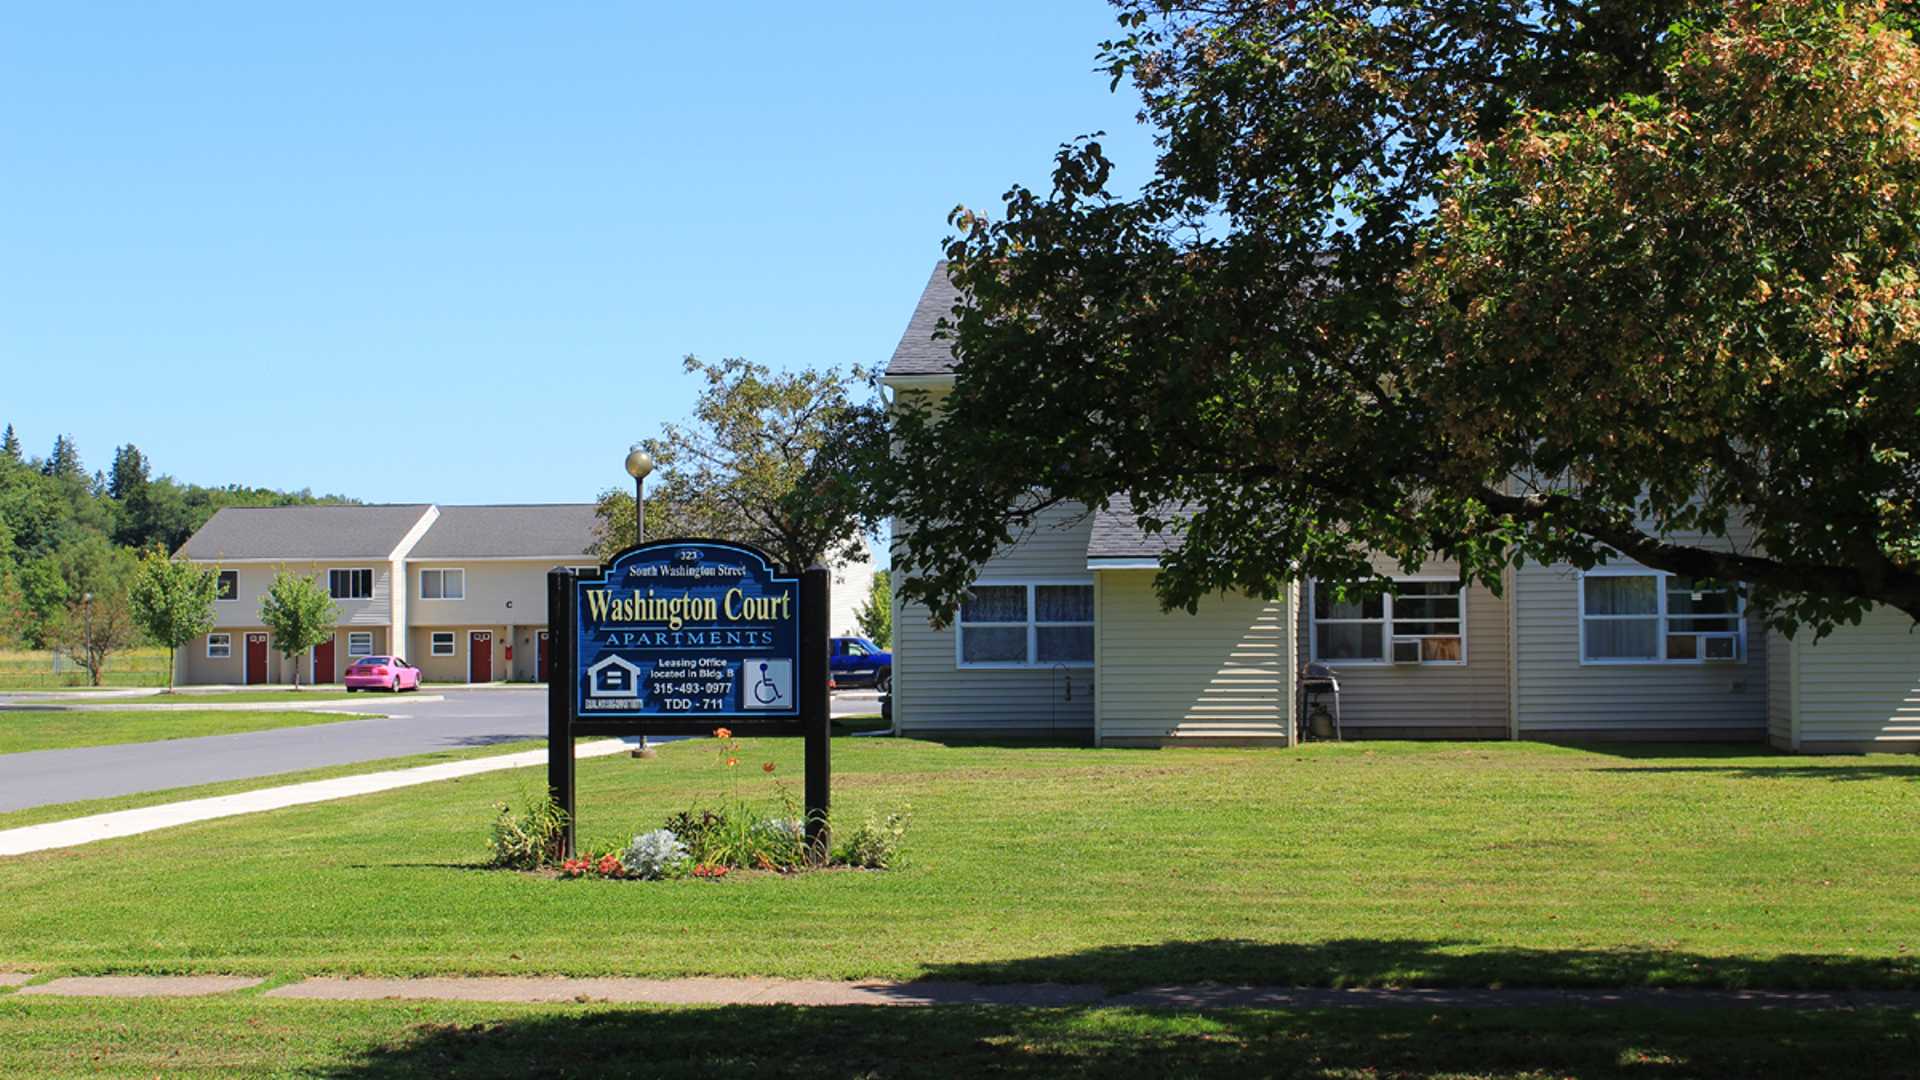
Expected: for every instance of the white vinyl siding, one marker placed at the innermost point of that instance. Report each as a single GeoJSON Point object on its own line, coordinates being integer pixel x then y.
{"type": "Point", "coordinates": [1433, 699]}
{"type": "Point", "coordinates": [1557, 693]}
{"type": "Point", "coordinates": [1856, 689]}
{"type": "Point", "coordinates": [933, 693]}
{"type": "Point", "coordinates": [1220, 673]}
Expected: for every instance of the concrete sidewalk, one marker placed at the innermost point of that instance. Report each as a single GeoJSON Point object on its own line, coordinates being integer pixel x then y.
{"type": "Point", "coordinates": [86, 830]}
{"type": "Point", "coordinates": [742, 991]}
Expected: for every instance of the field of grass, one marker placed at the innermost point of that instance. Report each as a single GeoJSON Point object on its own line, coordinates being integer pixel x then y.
{"type": "Point", "coordinates": [36, 669]}
{"type": "Point", "coordinates": [1355, 864]}
{"type": "Point", "coordinates": [255, 1037]}
{"type": "Point", "coordinates": [36, 815]}
{"type": "Point", "coordinates": [55, 729]}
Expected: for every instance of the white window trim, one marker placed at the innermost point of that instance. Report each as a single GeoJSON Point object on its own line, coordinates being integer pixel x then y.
{"type": "Point", "coordinates": [351, 634]}
{"type": "Point", "coordinates": [443, 571]}
{"type": "Point", "coordinates": [217, 598]}
{"type": "Point", "coordinates": [453, 643]}
{"type": "Point", "coordinates": [1032, 625]}
{"type": "Point", "coordinates": [373, 582]}
{"type": "Point", "coordinates": [1386, 627]}
{"type": "Point", "coordinates": [1660, 577]}
{"type": "Point", "coordinates": [227, 639]}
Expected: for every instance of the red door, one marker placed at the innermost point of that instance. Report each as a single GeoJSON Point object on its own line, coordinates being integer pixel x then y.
{"type": "Point", "coordinates": [540, 657]}
{"type": "Point", "coordinates": [323, 662]}
{"type": "Point", "coordinates": [256, 659]}
{"type": "Point", "coordinates": [480, 656]}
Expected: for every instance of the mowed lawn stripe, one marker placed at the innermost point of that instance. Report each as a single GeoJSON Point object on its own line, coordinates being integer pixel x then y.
{"type": "Point", "coordinates": [1503, 864]}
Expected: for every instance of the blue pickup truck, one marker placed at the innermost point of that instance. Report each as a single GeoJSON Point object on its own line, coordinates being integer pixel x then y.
{"type": "Point", "coordinates": [859, 662]}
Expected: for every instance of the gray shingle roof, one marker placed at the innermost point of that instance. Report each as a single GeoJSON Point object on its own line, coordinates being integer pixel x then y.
{"type": "Point", "coordinates": [303, 532]}
{"type": "Point", "coordinates": [1117, 534]}
{"type": "Point", "coordinates": [463, 532]}
{"type": "Point", "coordinates": [918, 353]}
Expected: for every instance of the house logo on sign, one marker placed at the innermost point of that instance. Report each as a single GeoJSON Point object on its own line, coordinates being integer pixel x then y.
{"type": "Point", "coordinates": [614, 677]}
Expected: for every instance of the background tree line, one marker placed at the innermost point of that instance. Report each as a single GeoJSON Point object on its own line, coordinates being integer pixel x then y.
{"type": "Point", "coordinates": [70, 539]}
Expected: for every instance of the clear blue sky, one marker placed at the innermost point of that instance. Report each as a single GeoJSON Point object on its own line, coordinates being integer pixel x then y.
{"type": "Point", "coordinates": [455, 252]}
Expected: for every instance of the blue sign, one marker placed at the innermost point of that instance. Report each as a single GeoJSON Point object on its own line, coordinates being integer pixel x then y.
{"type": "Point", "coordinates": [687, 629]}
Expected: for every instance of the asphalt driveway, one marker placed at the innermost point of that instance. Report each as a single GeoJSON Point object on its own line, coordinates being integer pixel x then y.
{"type": "Point", "coordinates": [466, 718]}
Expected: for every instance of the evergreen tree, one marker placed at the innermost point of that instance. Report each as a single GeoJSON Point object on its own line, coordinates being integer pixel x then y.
{"type": "Point", "coordinates": [129, 473]}
{"type": "Point", "coordinates": [10, 444]}
{"type": "Point", "coordinates": [64, 462]}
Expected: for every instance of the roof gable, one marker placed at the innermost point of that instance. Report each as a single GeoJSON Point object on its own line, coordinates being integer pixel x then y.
{"type": "Point", "coordinates": [551, 530]}
{"type": "Point", "coordinates": [304, 532]}
{"type": "Point", "coordinates": [918, 353]}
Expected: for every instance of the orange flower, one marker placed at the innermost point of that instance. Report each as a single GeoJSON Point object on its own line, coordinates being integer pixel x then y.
{"type": "Point", "coordinates": [768, 767]}
{"type": "Point", "coordinates": [732, 761]}
{"type": "Point", "coordinates": [722, 733]}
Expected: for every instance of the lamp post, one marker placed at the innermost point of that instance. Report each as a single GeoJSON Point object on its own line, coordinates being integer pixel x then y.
{"type": "Point", "coordinates": [639, 464]}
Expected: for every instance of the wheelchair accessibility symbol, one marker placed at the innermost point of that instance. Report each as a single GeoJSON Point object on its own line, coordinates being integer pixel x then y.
{"type": "Point", "coordinates": [769, 684]}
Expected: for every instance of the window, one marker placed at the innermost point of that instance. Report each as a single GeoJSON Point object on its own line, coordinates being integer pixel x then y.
{"type": "Point", "coordinates": [855, 648]}
{"type": "Point", "coordinates": [443, 584]}
{"type": "Point", "coordinates": [350, 584]}
{"type": "Point", "coordinates": [227, 585]}
{"type": "Point", "coordinates": [359, 643]}
{"type": "Point", "coordinates": [219, 646]}
{"type": "Point", "coordinates": [442, 643]}
{"type": "Point", "coordinates": [1421, 622]}
{"type": "Point", "coordinates": [1031, 624]}
{"type": "Point", "coordinates": [1651, 617]}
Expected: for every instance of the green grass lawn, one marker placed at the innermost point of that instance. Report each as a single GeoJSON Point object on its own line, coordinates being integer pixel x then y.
{"type": "Point", "coordinates": [286, 694]}
{"type": "Point", "coordinates": [47, 1037]}
{"type": "Point", "coordinates": [35, 669]}
{"type": "Point", "coordinates": [54, 729]}
{"type": "Point", "coordinates": [1376, 864]}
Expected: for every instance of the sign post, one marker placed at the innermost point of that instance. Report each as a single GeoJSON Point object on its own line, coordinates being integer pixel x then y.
{"type": "Point", "coordinates": [680, 637]}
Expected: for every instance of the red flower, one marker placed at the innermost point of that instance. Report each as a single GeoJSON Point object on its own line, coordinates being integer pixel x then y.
{"type": "Point", "coordinates": [768, 767]}
{"type": "Point", "coordinates": [722, 733]}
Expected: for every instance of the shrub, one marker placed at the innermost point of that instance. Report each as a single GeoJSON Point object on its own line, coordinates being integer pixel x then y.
{"type": "Point", "coordinates": [875, 845]}
{"type": "Point", "coordinates": [530, 839]}
{"type": "Point", "coordinates": [655, 855]}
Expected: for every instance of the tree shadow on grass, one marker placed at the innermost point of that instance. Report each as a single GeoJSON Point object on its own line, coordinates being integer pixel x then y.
{"type": "Point", "coordinates": [759, 1041]}
{"type": "Point", "coordinates": [1373, 962]}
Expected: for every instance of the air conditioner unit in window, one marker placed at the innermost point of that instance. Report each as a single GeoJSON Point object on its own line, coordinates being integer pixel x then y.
{"type": "Point", "coordinates": [1723, 648]}
{"type": "Point", "coordinates": [1406, 650]}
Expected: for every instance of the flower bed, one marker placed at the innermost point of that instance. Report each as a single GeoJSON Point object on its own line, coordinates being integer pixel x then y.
{"type": "Point", "coordinates": [701, 843]}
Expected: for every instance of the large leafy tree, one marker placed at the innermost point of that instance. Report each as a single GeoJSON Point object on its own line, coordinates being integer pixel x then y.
{"type": "Point", "coordinates": [173, 601]}
{"type": "Point", "coordinates": [767, 458]}
{"type": "Point", "coordinates": [299, 614]}
{"type": "Point", "coordinates": [94, 618]}
{"type": "Point", "coordinates": [1487, 281]}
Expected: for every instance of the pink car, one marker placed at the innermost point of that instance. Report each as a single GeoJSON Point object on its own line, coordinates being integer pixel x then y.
{"type": "Point", "coordinates": [382, 673]}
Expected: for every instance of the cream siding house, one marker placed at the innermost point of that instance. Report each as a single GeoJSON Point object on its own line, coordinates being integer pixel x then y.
{"type": "Point", "coordinates": [1854, 691]}
{"type": "Point", "coordinates": [459, 590]}
{"type": "Point", "coordinates": [1619, 652]}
